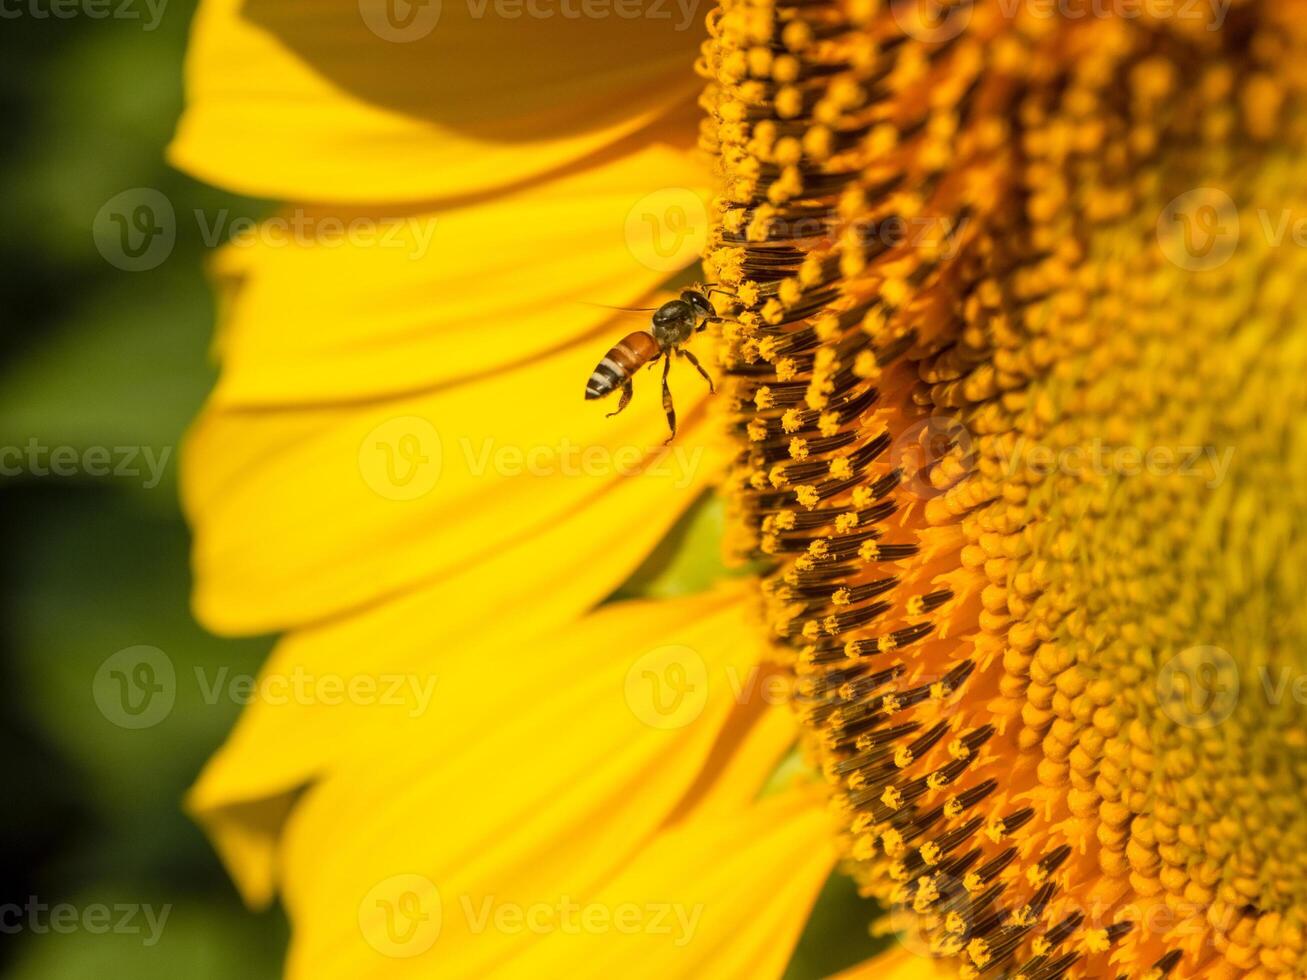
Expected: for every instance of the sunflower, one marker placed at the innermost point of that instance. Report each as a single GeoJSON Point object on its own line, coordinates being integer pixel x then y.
{"type": "Point", "coordinates": [1010, 441]}
{"type": "Point", "coordinates": [1009, 325]}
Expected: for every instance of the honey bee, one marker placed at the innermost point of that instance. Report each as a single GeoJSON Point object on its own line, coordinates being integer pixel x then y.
{"type": "Point", "coordinates": [673, 324]}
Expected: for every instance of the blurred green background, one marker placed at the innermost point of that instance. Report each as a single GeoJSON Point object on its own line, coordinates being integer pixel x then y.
{"type": "Point", "coordinates": [97, 356]}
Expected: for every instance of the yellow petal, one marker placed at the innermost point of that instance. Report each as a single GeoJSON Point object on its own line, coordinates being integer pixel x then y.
{"type": "Point", "coordinates": [898, 963]}
{"type": "Point", "coordinates": [333, 304]}
{"type": "Point", "coordinates": [337, 100]}
{"type": "Point", "coordinates": [713, 898]}
{"type": "Point", "coordinates": [535, 769]}
{"type": "Point", "coordinates": [301, 513]}
{"type": "Point", "coordinates": [493, 492]}
{"type": "Point", "coordinates": [405, 665]}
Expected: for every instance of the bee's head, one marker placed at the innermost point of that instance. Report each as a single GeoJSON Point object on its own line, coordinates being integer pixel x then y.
{"type": "Point", "coordinates": [698, 302]}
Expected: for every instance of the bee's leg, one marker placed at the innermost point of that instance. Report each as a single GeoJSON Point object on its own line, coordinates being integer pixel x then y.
{"type": "Point", "coordinates": [695, 361]}
{"type": "Point", "coordinates": [667, 398]}
{"type": "Point", "coordinates": [710, 319]}
{"type": "Point", "coordinates": [625, 400]}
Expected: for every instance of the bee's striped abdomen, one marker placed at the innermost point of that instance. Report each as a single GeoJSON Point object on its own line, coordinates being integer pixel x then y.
{"type": "Point", "coordinates": [630, 354]}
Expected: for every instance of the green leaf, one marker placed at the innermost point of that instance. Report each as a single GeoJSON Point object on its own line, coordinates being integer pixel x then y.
{"type": "Point", "coordinates": [102, 574]}
{"type": "Point", "coordinates": [687, 560]}
{"type": "Point", "coordinates": [837, 935]}
{"type": "Point", "coordinates": [116, 377]}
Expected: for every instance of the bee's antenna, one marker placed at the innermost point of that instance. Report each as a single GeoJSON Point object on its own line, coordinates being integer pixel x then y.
{"type": "Point", "coordinates": [623, 309]}
{"type": "Point", "coordinates": [707, 288]}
